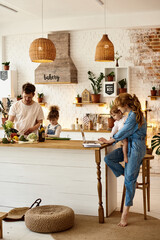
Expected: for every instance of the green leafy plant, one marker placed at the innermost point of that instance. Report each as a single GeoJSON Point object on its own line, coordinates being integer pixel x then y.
{"type": "Point", "coordinates": [155, 143]}
{"type": "Point", "coordinates": [96, 83]}
{"type": "Point", "coordinates": [122, 83]}
{"type": "Point", "coordinates": [6, 63]}
{"type": "Point", "coordinates": [111, 74]}
{"type": "Point", "coordinates": [40, 95]}
{"type": "Point", "coordinates": [19, 96]}
{"type": "Point", "coordinates": [78, 96]}
{"type": "Point", "coordinates": [4, 110]}
{"type": "Point", "coordinates": [153, 88]}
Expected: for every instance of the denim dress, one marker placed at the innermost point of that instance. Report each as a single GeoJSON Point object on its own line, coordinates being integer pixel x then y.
{"type": "Point", "coordinates": [51, 130]}
{"type": "Point", "coordinates": [136, 152]}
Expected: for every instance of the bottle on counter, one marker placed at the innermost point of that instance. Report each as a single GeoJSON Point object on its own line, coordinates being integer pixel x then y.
{"type": "Point", "coordinates": [77, 124]}
{"type": "Point", "coordinates": [41, 134]}
{"type": "Point", "coordinates": [90, 126]}
{"type": "Point", "coordinates": [98, 124]}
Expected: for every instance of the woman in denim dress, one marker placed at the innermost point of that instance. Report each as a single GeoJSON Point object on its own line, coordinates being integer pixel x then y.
{"type": "Point", "coordinates": [134, 130]}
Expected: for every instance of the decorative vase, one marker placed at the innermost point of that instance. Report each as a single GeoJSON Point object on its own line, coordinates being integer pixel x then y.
{"type": "Point", "coordinates": [122, 90]}
{"type": "Point", "coordinates": [153, 92]}
{"type": "Point", "coordinates": [40, 100]}
{"type": "Point", "coordinates": [110, 122]}
{"type": "Point", "coordinates": [110, 78]}
{"type": "Point", "coordinates": [117, 65]}
{"type": "Point", "coordinates": [95, 98]}
{"type": "Point", "coordinates": [78, 99]}
{"type": "Point", "coordinates": [6, 67]}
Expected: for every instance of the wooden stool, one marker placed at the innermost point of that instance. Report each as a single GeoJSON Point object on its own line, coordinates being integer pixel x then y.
{"type": "Point", "coordinates": [144, 185]}
{"type": "Point", "coordinates": [2, 216]}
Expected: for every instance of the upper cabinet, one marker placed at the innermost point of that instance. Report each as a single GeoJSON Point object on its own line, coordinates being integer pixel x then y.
{"type": "Point", "coordinates": [116, 81]}
{"type": "Point", "coordinates": [8, 84]}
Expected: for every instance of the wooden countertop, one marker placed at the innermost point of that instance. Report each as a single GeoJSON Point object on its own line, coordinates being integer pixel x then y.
{"type": "Point", "coordinates": [57, 144]}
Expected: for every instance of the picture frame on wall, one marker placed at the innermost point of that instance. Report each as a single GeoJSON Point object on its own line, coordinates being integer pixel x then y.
{"type": "Point", "coordinates": [110, 89]}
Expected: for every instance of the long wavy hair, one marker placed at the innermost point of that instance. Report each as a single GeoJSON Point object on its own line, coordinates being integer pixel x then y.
{"type": "Point", "coordinates": [124, 99]}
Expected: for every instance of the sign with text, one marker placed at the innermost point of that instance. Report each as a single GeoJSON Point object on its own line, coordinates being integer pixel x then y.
{"type": "Point", "coordinates": [110, 89]}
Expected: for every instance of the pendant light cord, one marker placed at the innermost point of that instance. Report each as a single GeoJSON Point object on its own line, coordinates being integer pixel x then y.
{"type": "Point", "coordinates": [42, 18]}
{"type": "Point", "coordinates": [105, 15]}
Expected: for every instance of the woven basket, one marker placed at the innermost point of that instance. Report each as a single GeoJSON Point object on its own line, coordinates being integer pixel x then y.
{"type": "Point", "coordinates": [49, 218]}
{"type": "Point", "coordinates": [42, 50]}
{"type": "Point", "coordinates": [104, 50]}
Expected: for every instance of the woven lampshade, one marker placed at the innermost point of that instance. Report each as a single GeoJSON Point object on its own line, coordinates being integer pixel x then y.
{"type": "Point", "coordinates": [104, 50]}
{"type": "Point", "coordinates": [42, 50]}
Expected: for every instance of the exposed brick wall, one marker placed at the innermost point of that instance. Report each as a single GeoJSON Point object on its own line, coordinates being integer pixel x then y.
{"type": "Point", "coordinates": [145, 51]}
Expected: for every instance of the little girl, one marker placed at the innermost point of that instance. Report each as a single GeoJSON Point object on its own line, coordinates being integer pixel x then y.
{"type": "Point", "coordinates": [118, 124]}
{"type": "Point", "coordinates": [54, 128]}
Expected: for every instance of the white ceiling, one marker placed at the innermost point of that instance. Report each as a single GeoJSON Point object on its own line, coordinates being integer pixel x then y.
{"type": "Point", "coordinates": [29, 10]}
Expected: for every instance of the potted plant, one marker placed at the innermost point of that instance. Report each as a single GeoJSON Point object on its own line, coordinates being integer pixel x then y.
{"type": "Point", "coordinates": [4, 112]}
{"type": "Point", "coordinates": [96, 86]}
{"type": "Point", "coordinates": [40, 97]}
{"type": "Point", "coordinates": [153, 91]}
{"type": "Point", "coordinates": [19, 97]}
{"type": "Point", "coordinates": [110, 76]}
{"type": "Point", "coordinates": [78, 99]}
{"type": "Point", "coordinates": [6, 65]}
{"type": "Point", "coordinates": [110, 119]}
{"type": "Point", "coordinates": [122, 84]}
{"type": "Point", "coordinates": [155, 143]}
{"type": "Point", "coordinates": [117, 57]}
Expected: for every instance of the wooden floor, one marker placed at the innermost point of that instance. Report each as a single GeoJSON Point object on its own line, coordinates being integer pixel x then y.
{"type": "Point", "coordinates": [18, 231]}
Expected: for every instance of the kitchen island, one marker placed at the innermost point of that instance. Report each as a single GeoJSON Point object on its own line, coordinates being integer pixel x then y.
{"type": "Point", "coordinates": [60, 172]}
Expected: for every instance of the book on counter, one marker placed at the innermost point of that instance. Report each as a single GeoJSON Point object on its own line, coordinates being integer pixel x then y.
{"type": "Point", "coordinates": [91, 144]}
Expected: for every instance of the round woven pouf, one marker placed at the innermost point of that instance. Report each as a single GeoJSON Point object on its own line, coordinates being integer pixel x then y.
{"type": "Point", "coordinates": [49, 218]}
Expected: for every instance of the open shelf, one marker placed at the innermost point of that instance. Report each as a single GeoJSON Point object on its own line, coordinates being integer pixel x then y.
{"type": "Point", "coordinates": [42, 104]}
{"type": "Point", "coordinates": [102, 104]}
{"type": "Point", "coordinates": [154, 97]}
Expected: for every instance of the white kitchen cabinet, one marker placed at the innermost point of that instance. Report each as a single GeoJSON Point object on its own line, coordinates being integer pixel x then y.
{"type": "Point", "coordinates": [8, 84]}
{"type": "Point", "coordinates": [111, 88]}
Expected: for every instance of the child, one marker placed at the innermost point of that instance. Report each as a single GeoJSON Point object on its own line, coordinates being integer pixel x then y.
{"type": "Point", "coordinates": [118, 124]}
{"type": "Point", "coordinates": [54, 128]}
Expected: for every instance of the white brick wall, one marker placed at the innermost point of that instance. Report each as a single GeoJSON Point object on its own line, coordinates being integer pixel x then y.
{"type": "Point", "coordinates": [83, 44]}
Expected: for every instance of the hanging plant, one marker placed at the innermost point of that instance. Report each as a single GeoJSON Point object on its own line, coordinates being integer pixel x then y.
{"type": "Point", "coordinates": [155, 143]}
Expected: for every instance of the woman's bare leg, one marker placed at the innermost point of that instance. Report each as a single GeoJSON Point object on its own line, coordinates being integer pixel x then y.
{"type": "Point", "coordinates": [125, 150]}
{"type": "Point", "coordinates": [124, 217]}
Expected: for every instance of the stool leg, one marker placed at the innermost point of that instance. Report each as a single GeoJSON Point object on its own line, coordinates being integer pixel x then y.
{"type": "Point", "coordinates": [144, 189]}
{"type": "Point", "coordinates": [1, 233]}
{"type": "Point", "coordinates": [148, 182]}
{"type": "Point", "coordinates": [123, 198]}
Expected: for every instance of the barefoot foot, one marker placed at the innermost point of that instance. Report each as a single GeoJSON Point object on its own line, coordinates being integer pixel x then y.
{"type": "Point", "coordinates": [123, 222]}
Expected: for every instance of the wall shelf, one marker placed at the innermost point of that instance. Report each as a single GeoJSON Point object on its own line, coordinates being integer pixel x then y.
{"type": "Point", "coordinates": [102, 104]}
{"type": "Point", "coordinates": [154, 97]}
{"type": "Point", "coordinates": [43, 104]}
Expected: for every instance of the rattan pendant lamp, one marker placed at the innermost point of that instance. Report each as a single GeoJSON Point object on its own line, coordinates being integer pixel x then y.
{"type": "Point", "coordinates": [42, 49]}
{"type": "Point", "coordinates": [105, 48]}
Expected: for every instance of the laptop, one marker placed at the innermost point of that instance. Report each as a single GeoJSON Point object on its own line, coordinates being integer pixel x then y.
{"type": "Point", "coordinates": [89, 143]}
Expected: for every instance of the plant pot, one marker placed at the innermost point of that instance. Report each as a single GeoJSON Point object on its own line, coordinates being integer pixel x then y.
{"type": "Point", "coordinates": [78, 99]}
{"type": "Point", "coordinates": [122, 90]}
{"type": "Point", "coordinates": [4, 119]}
{"type": "Point", "coordinates": [110, 78]}
{"type": "Point", "coordinates": [95, 98]}
{"type": "Point", "coordinates": [159, 92]}
{"type": "Point", "coordinates": [153, 92]}
{"type": "Point", "coordinates": [40, 100]}
{"type": "Point", "coordinates": [19, 99]}
{"type": "Point", "coordinates": [110, 122]}
{"type": "Point", "coordinates": [6, 67]}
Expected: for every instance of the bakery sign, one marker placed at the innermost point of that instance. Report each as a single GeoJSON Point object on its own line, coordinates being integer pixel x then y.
{"type": "Point", "coordinates": [51, 77]}
{"type": "Point", "coordinates": [110, 89]}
